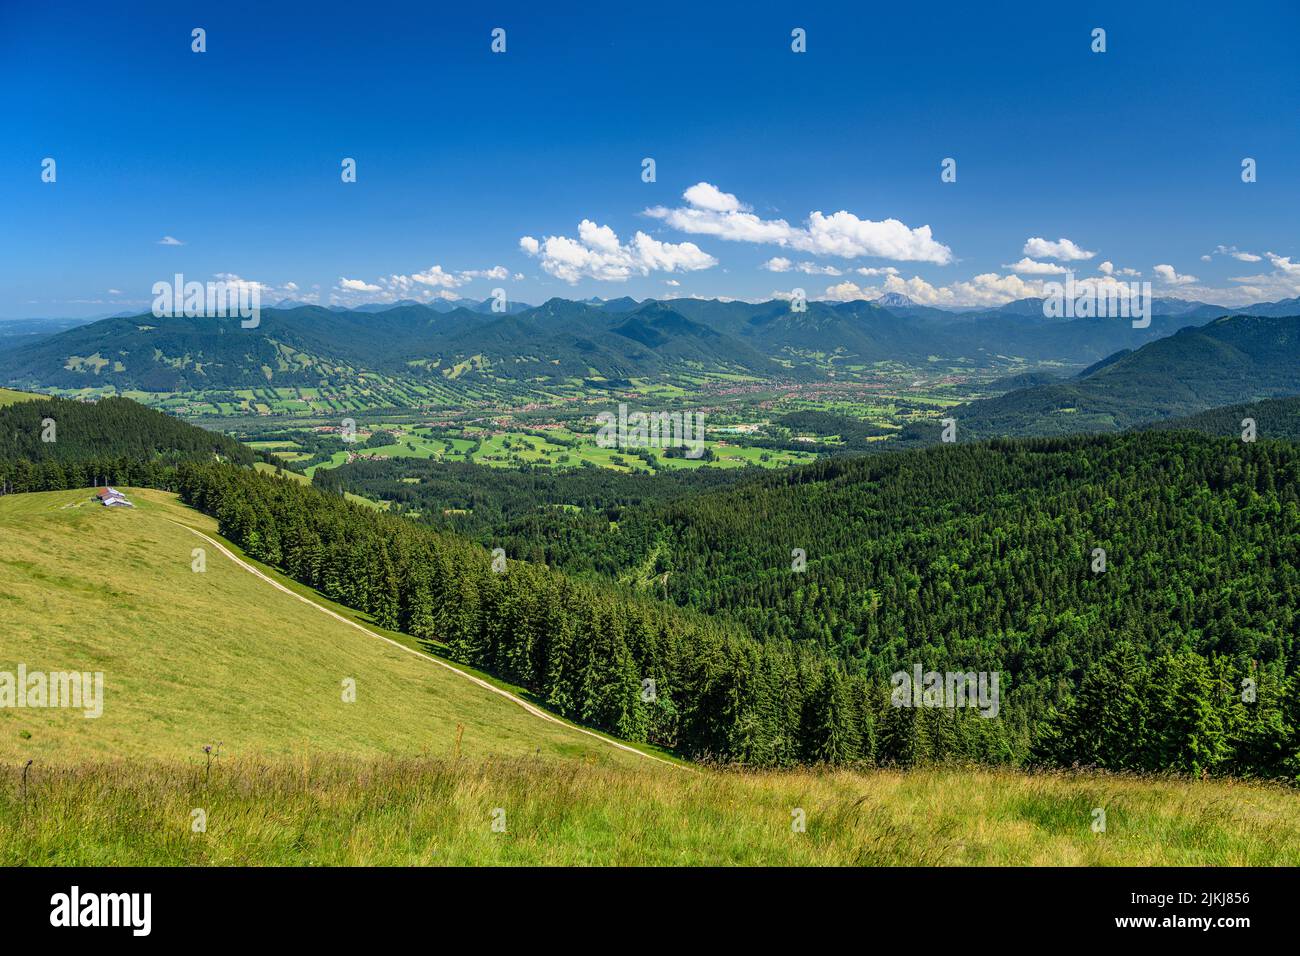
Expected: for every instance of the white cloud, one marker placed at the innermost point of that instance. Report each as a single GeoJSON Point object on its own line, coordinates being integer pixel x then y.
{"type": "Point", "coordinates": [986, 289]}
{"type": "Point", "coordinates": [435, 276]}
{"type": "Point", "coordinates": [882, 271]}
{"type": "Point", "coordinates": [1239, 254]}
{"type": "Point", "coordinates": [432, 283]}
{"type": "Point", "coordinates": [1040, 248]}
{"type": "Point", "coordinates": [710, 211]}
{"type": "Point", "coordinates": [1284, 264]}
{"type": "Point", "coordinates": [672, 282]}
{"type": "Point", "coordinates": [496, 272]}
{"type": "Point", "coordinates": [844, 234]}
{"type": "Point", "coordinates": [170, 241]}
{"type": "Point", "coordinates": [781, 264]}
{"type": "Point", "coordinates": [270, 294]}
{"type": "Point", "coordinates": [710, 197]}
{"type": "Point", "coordinates": [1169, 276]}
{"type": "Point", "coordinates": [1283, 282]}
{"type": "Point", "coordinates": [1032, 267]}
{"type": "Point", "coordinates": [598, 254]}
{"type": "Point", "coordinates": [114, 291]}
{"type": "Point", "coordinates": [844, 292]}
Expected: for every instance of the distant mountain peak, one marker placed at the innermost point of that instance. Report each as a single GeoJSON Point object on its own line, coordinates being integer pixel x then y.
{"type": "Point", "coordinates": [894, 300]}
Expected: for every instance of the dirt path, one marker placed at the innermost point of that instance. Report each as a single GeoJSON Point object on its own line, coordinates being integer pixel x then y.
{"type": "Point", "coordinates": [535, 711]}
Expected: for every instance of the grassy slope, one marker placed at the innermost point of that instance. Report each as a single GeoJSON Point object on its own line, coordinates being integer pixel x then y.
{"type": "Point", "coordinates": [191, 659]}
{"type": "Point", "coordinates": [9, 396]}
{"type": "Point", "coordinates": [305, 480]}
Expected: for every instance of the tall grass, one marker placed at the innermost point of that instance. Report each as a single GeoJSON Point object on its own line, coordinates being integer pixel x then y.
{"type": "Point", "coordinates": [440, 811]}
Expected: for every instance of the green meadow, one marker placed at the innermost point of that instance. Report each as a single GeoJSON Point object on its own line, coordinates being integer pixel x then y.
{"type": "Point", "coordinates": [196, 658]}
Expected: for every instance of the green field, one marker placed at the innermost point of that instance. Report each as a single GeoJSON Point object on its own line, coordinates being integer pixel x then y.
{"type": "Point", "coordinates": [306, 480]}
{"type": "Point", "coordinates": [9, 396]}
{"type": "Point", "coordinates": [550, 448]}
{"type": "Point", "coordinates": [440, 811]}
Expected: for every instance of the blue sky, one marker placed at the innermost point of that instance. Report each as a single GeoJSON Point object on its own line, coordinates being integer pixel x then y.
{"type": "Point", "coordinates": [1133, 155]}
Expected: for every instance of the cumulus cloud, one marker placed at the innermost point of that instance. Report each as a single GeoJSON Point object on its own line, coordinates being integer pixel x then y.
{"type": "Point", "coordinates": [845, 292]}
{"type": "Point", "coordinates": [496, 272]}
{"type": "Point", "coordinates": [1282, 282]}
{"type": "Point", "coordinates": [1168, 275]}
{"type": "Point", "coordinates": [1107, 268]}
{"type": "Point", "coordinates": [986, 289]}
{"type": "Point", "coordinates": [781, 264]}
{"type": "Point", "coordinates": [432, 283]}
{"type": "Point", "coordinates": [1284, 264]}
{"type": "Point", "coordinates": [1032, 267]}
{"type": "Point", "coordinates": [710, 197]}
{"type": "Point", "coordinates": [269, 294]}
{"type": "Point", "coordinates": [437, 277]}
{"type": "Point", "coordinates": [598, 253]}
{"type": "Point", "coordinates": [1239, 254]}
{"type": "Point", "coordinates": [1039, 248]}
{"type": "Point", "coordinates": [170, 241]}
{"type": "Point", "coordinates": [710, 211]}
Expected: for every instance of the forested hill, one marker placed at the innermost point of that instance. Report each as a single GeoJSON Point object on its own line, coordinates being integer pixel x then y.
{"type": "Point", "coordinates": [49, 443]}
{"type": "Point", "coordinates": [968, 558]}
{"type": "Point", "coordinates": [981, 557]}
{"type": "Point", "coordinates": [1230, 360]}
{"type": "Point", "coordinates": [1273, 418]}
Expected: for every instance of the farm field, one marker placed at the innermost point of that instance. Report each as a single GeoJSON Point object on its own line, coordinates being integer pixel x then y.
{"type": "Point", "coordinates": [524, 447]}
